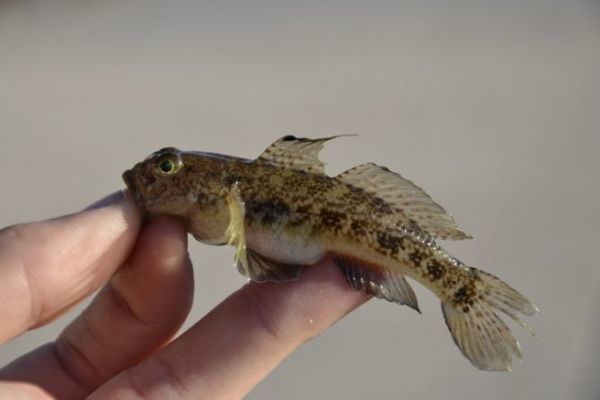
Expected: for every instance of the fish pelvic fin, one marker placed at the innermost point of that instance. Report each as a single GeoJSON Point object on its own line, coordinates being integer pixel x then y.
{"type": "Point", "coordinates": [476, 327]}
{"type": "Point", "coordinates": [263, 269]}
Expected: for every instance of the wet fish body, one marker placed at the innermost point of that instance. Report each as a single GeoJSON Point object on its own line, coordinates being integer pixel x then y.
{"type": "Point", "coordinates": [282, 212]}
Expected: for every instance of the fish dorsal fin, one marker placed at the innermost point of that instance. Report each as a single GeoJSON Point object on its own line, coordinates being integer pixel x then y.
{"type": "Point", "coordinates": [301, 154]}
{"type": "Point", "coordinates": [406, 198]}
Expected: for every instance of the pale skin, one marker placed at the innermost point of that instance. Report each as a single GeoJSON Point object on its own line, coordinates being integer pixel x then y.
{"type": "Point", "coordinates": [122, 346]}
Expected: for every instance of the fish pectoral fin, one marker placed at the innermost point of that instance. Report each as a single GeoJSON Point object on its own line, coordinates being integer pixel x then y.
{"type": "Point", "coordinates": [248, 262]}
{"type": "Point", "coordinates": [235, 233]}
{"type": "Point", "coordinates": [372, 279]}
{"type": "Point", "coordinates": [409, 200]}
{"type": "Point", "coordinates": [301, 154]}
{"type": "Point", "coordinates": [263, 269]}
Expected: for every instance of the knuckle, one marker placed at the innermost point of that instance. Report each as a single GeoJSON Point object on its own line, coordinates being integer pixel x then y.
{"type": "Point", "coordinates": [153, 379]}
{"type": "Point", "coordinates": [76, 364]}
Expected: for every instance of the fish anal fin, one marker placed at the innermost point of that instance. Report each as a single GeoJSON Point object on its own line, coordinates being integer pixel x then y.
{"type": "Point", "coordinates": [379, 282]}
{"type": "Point", "coordinates": [477, 328]}
{"type": "Point", "coordinates": [409, 200]}
{"type": "Point", "coordinates": [297, 153]}
{"type": "Point", "coordinates": [263, 269]}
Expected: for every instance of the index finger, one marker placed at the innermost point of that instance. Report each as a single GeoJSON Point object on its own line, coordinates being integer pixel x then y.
{"type": "Point", "coordinates": [47, 266]}
{"type": "Point", "coordinates": [238, 343]}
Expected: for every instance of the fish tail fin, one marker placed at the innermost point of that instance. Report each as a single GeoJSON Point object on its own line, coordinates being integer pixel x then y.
{"type": "Point", "coordinates": [477, 329]}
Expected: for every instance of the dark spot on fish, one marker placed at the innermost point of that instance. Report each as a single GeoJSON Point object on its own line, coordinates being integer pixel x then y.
{"type": "Point", "coordinates": [464, 295]}
{"type": "Point", "coordinates": [332, 219]}
{"type": "Point", "coordinates": [414, 226]}
{"type": "Point", "coordinates": [212, 201]}
{"type": "Point", "coordinates": [461, 295]}
{"type": "Point", "coordinates": [269, 211]}
{"type": "Point", "coordinates": [288, 138]}
{"type": "Point", "coordinates": [388, 242]}
{"type": "Point", "coordinates": [435, 270]}
{"type": "Point", "coordinates": [304, 209]}
{"type": "Point", "coordinates": [354, 190]}
{"type": "Point", "coordinates": [357, 228]}
{"type": "Point", "coordinates": [416, 257]}
{"type": "Point", "coordinates": [382, 206]}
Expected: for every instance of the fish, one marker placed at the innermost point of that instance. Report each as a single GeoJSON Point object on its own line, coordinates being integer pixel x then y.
{"type": "Point", "coordinates": [282, 212]}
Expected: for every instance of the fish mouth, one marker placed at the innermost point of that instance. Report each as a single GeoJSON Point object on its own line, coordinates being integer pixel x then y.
{"type": "Point", "coordinates": [129, 179]}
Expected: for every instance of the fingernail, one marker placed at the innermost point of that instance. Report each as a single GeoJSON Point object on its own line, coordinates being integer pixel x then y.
{"type": "Point", "coordinates": [112, 198]}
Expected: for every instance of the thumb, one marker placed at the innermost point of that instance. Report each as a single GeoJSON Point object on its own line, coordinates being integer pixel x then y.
{"type": "Point", "coordinates": [47, 266]}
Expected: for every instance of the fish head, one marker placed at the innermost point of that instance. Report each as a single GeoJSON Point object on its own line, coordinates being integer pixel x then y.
{"type": "Point", "coordinates": [163, 183]}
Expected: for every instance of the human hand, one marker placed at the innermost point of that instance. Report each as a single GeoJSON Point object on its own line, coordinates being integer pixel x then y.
{"type": "Point", "coordinates": [120, 346]}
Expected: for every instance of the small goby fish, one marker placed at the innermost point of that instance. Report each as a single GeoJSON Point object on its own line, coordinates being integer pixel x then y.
{"type": "Point", "coordinates": [282, 212]}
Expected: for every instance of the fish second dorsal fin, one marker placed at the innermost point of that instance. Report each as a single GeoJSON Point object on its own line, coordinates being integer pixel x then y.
{"type": "Point", "coordinates": [406, 198]}
{"type": "Point", "coordinates": [301, 154]}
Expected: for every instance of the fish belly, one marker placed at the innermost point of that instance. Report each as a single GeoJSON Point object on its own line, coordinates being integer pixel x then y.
{"type": "Point", "coordinates": [284, 247]}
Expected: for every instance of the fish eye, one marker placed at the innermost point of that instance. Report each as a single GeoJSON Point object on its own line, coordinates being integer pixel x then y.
{"type": "Point", "coordinates": [169, 164]}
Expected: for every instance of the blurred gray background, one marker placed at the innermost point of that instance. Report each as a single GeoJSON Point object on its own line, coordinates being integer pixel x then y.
{"type": "Point", "coordinates": [492, 106]}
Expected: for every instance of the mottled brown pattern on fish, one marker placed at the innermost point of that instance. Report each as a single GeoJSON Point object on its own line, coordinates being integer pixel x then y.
{"type": "Point", "coordinates": [281, 212]}
{"type": "Point", "coordinates": [332, 208]}
{"type": "Point", "coordinates": [326, 206]}
{"type": "Point", "coordinates": [300, 199]}
{"type": "Point", "coordinates": [296, 201]}
{"type": "Point", "coordinates": [467, 294]}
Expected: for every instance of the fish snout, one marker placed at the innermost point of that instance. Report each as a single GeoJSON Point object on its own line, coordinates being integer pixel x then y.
{"type": "Point", "coordinates": [129, 179]}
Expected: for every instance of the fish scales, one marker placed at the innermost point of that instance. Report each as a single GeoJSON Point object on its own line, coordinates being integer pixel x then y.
{"type": "Point", "coordinates": [346, 218]}
{"type": "Point", "coordinates": [282, 212]}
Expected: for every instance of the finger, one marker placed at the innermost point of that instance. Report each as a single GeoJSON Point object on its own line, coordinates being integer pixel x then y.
{"type": "Point", "coordinates": [139, 310]}
{"type": "Point", "coordinates": [47, 266]}
{"type": "Point", "coordinates": [22, 391]}
{"type": "Point", "coordinates": [238, 343]}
